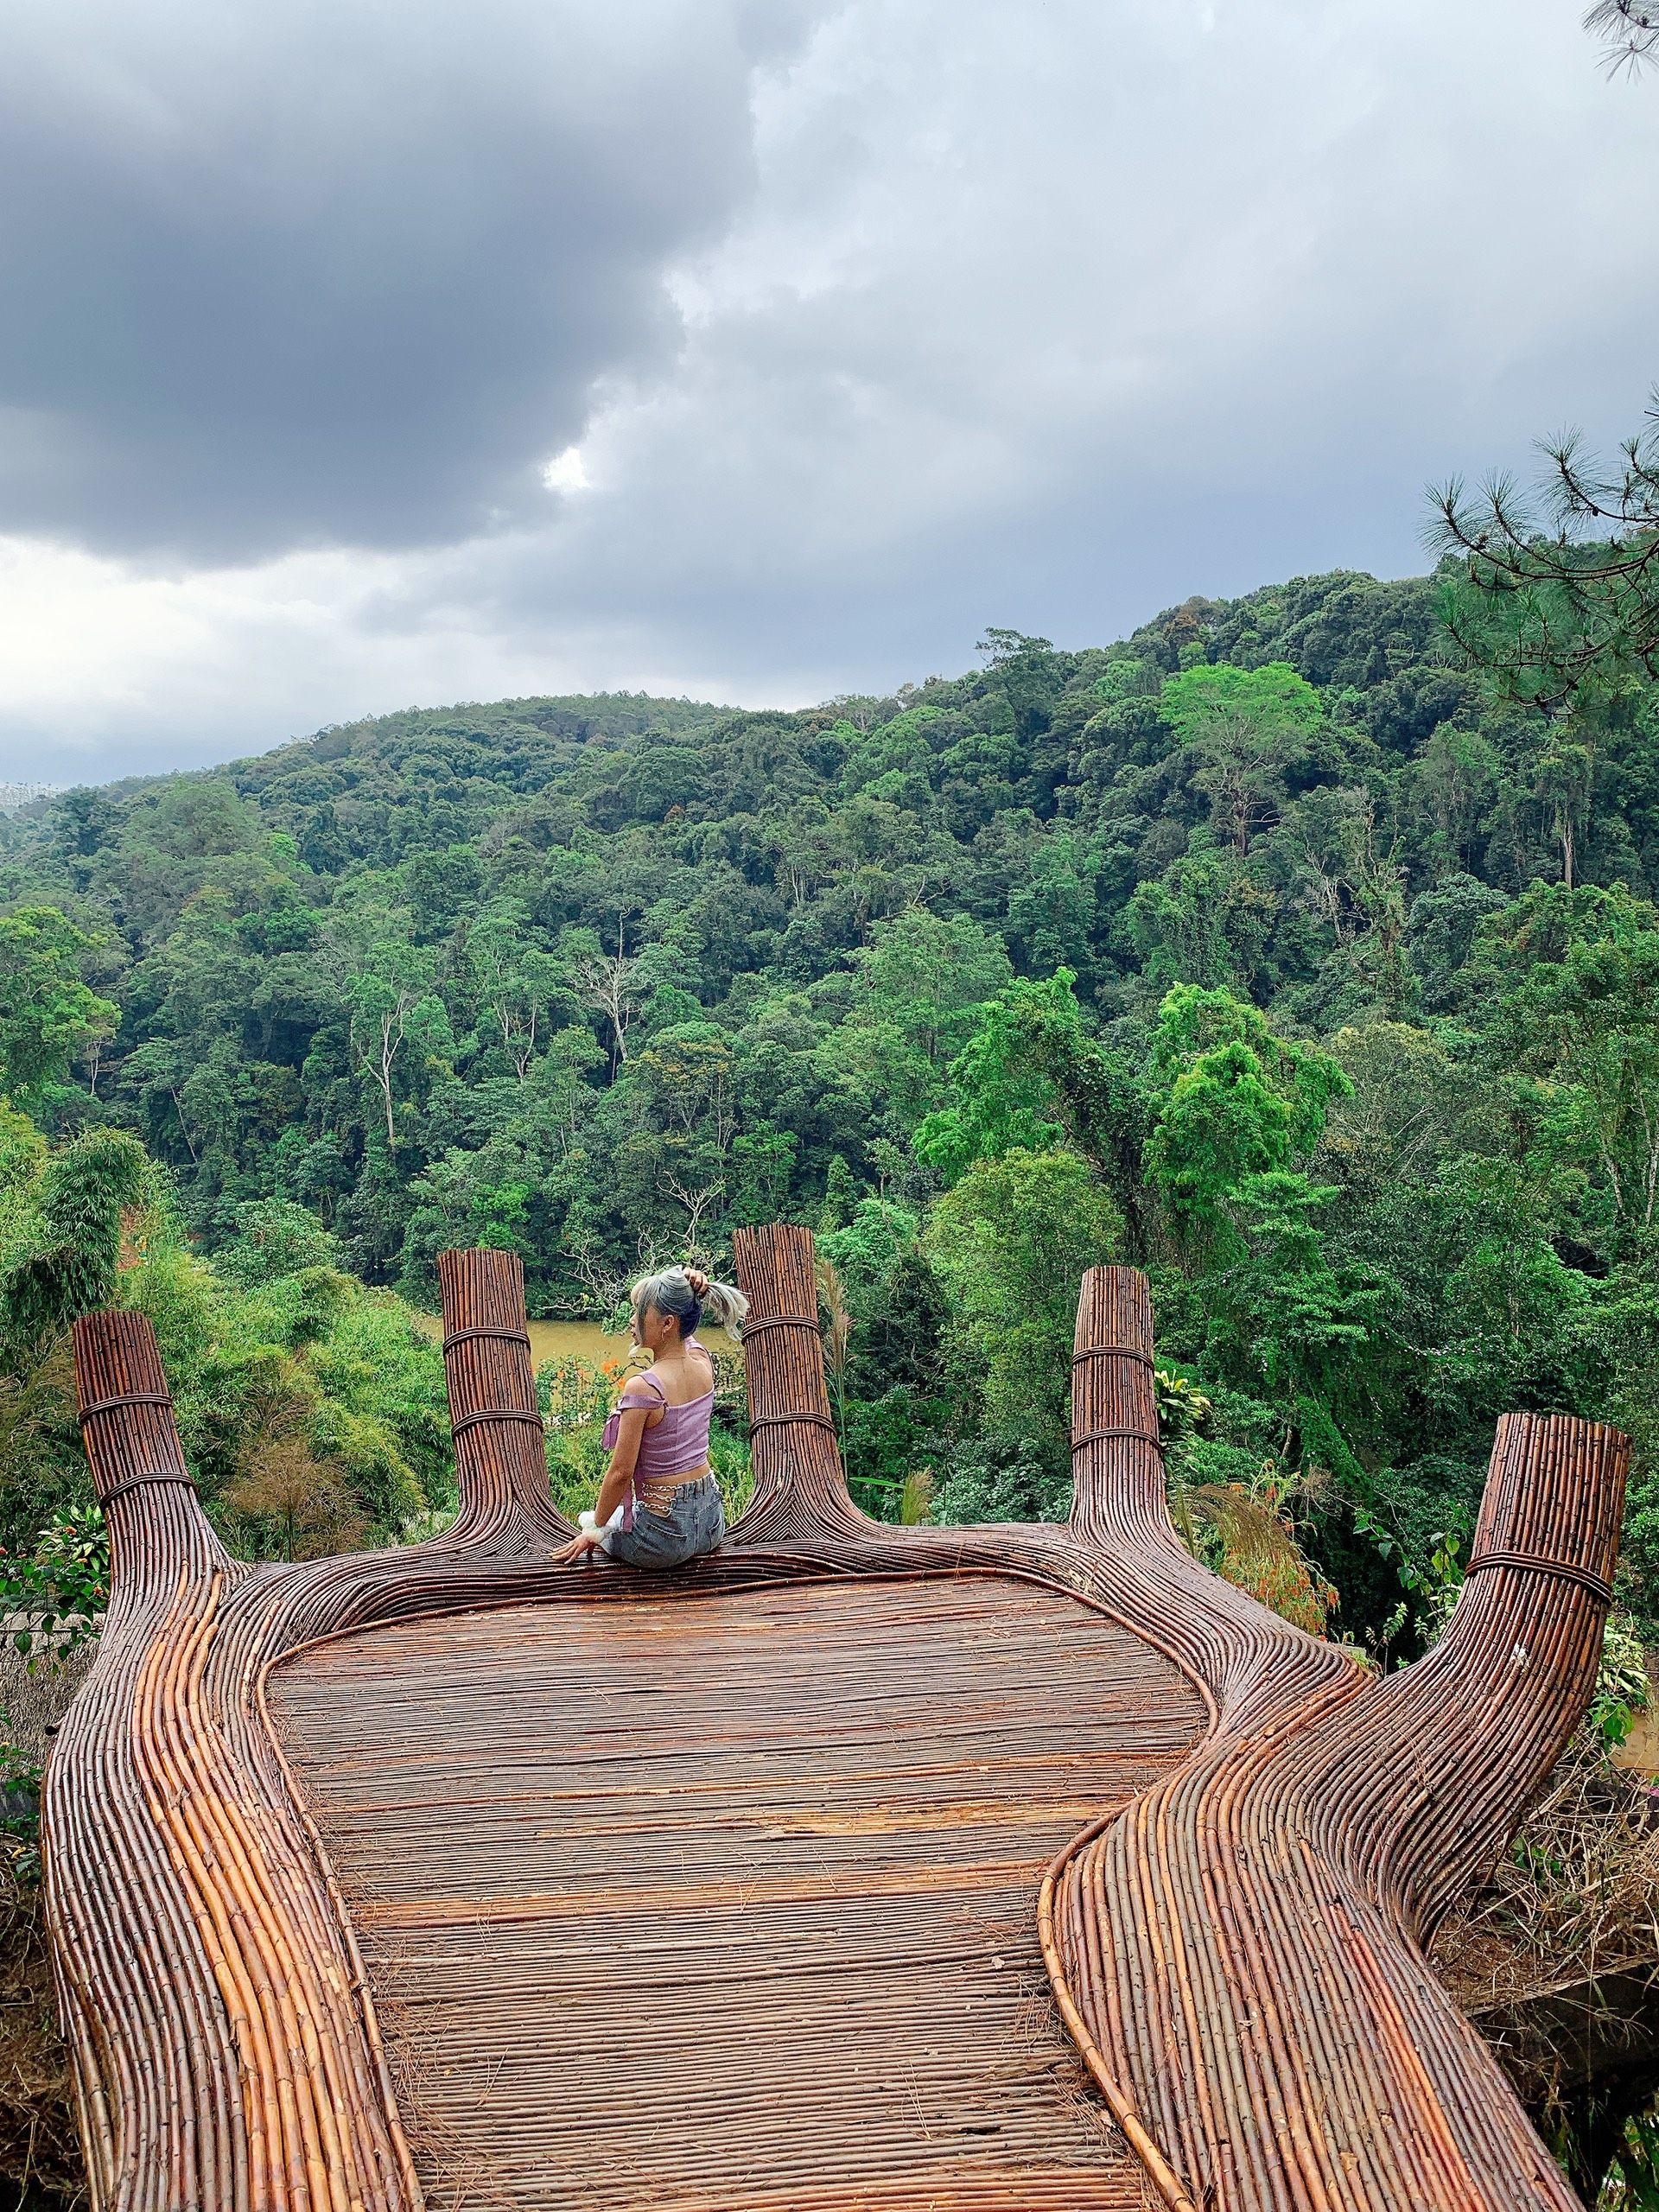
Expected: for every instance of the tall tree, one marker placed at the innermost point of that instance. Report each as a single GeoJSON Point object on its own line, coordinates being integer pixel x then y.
{"type": "Point", "coordinates": [47, 1014]}
{"type": "Point", "coordinates": [516, 983]}
{"type": "Point", "coordinates": [1248, 728]}
{"type": "Point", "coordinates": [1558, 593]}
{"type": "Point", "coordinates": [393, 1013]}
{"type": "Point", "coordinates": [1232, 1102]}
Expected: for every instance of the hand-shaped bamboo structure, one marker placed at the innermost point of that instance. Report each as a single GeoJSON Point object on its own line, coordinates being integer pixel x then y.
{"type": "Point", "coordinates": [362, 1871]}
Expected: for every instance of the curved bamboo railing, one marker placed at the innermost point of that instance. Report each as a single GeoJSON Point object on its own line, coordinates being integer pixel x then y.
{"type": "Point", "coordinates": [220, 2052]}
{"type": "Point", "coordinates": [1242, 1948]}
{"type": "Point", "coordinates": [1238, 1954]}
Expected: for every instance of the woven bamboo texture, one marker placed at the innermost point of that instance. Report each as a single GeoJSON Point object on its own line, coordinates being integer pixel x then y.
{"type": "Point", "coordinates": [445, 1875]}
{"type": "Point", "coordinates": [826, 1897]}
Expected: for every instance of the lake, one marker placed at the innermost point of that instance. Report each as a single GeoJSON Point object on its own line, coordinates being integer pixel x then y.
{"type": "Point", "coordinates": [583, 1340]}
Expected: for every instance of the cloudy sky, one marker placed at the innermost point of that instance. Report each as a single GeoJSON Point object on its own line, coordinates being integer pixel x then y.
{"type": "Point", "coordinates": [361, 353]}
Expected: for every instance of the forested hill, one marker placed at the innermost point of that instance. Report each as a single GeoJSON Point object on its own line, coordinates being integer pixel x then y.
{"type": "Point", "coordinates": [1264, 946]}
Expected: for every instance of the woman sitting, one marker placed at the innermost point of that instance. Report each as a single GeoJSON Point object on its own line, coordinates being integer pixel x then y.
{"type": "Point", "coordinates": [659, 1504]}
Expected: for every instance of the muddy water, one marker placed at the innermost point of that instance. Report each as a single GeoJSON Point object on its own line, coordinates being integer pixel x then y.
{"type": "Point", "coordinates": [583, 1340]}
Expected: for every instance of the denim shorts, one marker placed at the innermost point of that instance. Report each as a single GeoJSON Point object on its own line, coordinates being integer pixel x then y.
{"type": "Point", "coordinates": [694, 1524]}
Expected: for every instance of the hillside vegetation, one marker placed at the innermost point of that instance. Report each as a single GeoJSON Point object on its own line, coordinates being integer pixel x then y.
{"type": "Point", "coordinates": [1266, 948]}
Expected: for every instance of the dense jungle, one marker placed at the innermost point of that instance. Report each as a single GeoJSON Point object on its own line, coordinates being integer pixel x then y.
{"type": "Point", "coordinates": [1275, 948]}
{"type": "Point", "coordinates": [1267, 948]}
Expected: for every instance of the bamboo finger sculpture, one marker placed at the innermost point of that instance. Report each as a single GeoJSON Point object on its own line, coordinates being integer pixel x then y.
{"type": "Point", "coordinates": [1233, 1933]}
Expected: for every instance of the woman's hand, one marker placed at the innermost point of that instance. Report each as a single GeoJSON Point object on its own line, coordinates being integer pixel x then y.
{"type": "Point", "coordinates": [576, 1550]}
{"type": "Point", "coordinates": [698, 1280]}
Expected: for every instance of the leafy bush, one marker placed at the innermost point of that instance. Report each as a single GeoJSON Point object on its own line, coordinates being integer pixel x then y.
{"type": "Point", "coordinates": [61, 1586]}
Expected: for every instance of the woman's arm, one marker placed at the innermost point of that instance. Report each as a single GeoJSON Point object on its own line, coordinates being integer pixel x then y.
{"type": "Point", "coordinates": [631, 1421]}
{"type": "Point", "coordinates": [625, 1457]}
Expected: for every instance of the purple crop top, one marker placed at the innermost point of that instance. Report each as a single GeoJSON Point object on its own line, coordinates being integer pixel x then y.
{"type": "Point", "coordinates": [679, 1442]}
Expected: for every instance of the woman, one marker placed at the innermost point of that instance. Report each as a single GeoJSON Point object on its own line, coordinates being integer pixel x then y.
{"type": "Point", "coordinates": [660, 1505]}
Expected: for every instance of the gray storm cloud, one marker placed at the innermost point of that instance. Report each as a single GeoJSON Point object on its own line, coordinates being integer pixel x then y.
{"type": "Point", "coordinates": [341, 272]}
{"type": "Point", "coordinates": [853, 328]}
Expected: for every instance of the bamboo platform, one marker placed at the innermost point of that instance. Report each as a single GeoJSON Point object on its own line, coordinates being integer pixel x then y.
{"type": "Point", "coordinates": [779, 1829]}
{"type": "Point", "coordinates": [855, 1867]}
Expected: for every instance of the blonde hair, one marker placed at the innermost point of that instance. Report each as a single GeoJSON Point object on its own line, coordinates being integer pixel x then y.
{"type": "Point", "coordinates": [670, 1293]}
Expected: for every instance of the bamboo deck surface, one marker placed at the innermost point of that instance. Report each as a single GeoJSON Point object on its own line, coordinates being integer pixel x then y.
{"type": "Point", "coordinates": [728, 1901]}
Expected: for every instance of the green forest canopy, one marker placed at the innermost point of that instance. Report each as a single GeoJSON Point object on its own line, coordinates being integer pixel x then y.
{"type": "Point", "coordinates": [1268, 948]}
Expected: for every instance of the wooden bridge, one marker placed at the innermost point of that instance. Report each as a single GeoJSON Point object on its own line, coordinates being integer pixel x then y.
{"type": "Point", "coordinates": [856, 1868]}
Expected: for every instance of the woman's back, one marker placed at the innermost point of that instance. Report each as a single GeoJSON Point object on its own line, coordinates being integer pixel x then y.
{"type": "Point", "coordinates": [677, 1437]}
{"type": "Point", "coordinates": [659, 1505]}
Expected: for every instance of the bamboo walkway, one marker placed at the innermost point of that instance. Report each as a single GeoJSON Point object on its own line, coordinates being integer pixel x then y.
{"type": "Point", "coordinates": [444, 1876]}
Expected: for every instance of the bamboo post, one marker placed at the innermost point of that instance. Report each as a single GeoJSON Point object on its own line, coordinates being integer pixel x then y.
{"type": "Point", "coordinates": [1117, 1462]}
{"type": "Point", "coordinates": [1430, 1771]}
{"type": "Point", "coordinates": [500, 1453]}
{"type": "Point", "coordinates": [159, 1534]}
{"type": "Point", "coordinates": [799, 1486]}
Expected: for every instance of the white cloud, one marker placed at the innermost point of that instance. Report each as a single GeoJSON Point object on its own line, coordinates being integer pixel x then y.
{"type": "Point", "coordinates": [109, 669]}
{"type": "Point", "coordinates": [567, 471]}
